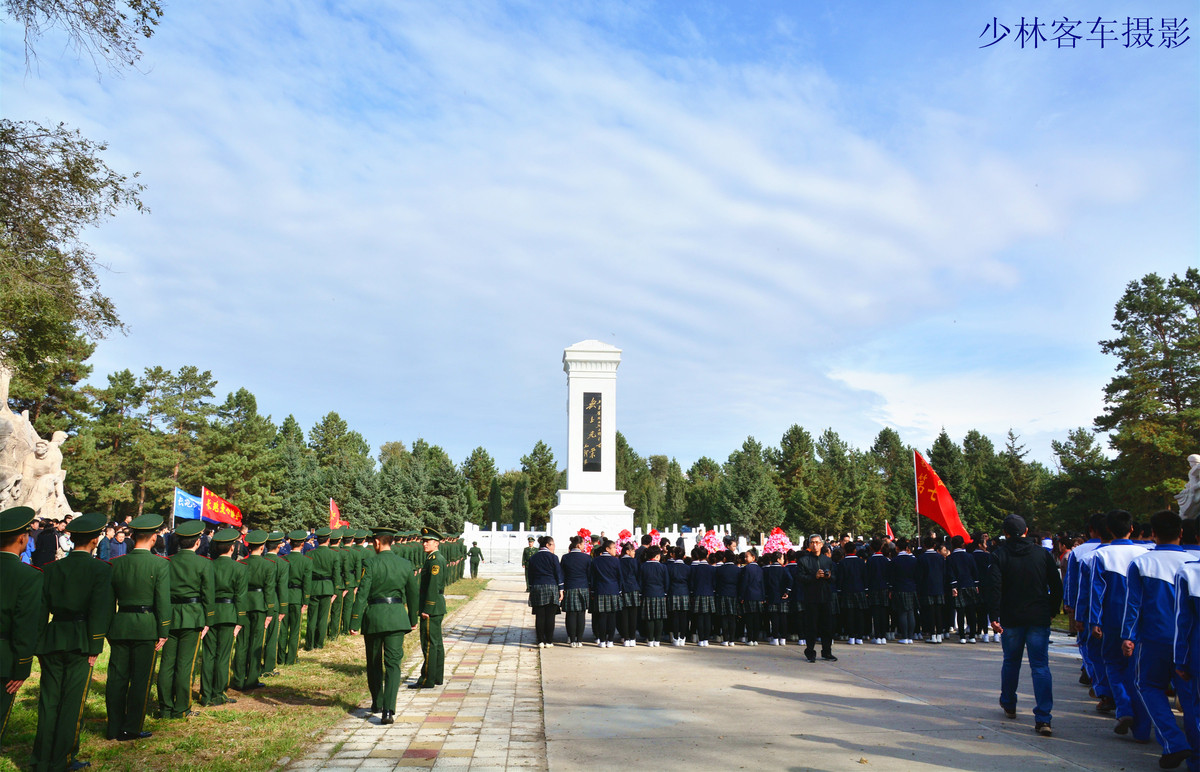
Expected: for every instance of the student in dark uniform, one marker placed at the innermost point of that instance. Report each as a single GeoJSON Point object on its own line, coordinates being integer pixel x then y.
{"type": "Point", "coordinates": [300, 570]}
{"type": "Point", "coordinates": [931, 577]}
{"type": "Point", "coordinates": [230, 604]}
{"type": "Point", "coordinates": [604, 588]}
{"type": "Point", "coordinates": [776, 590]}
{"type": "Point", "coordinates": [193, 604]}
{"type": "Point", "coordinates": [877, 591]}
{"type": "Point", "coordinates": [573, 590]}
{"type": "Point", "coordinates": [433, 609]}
{"type": "Point", "coordinates": [679, 599]}
{"type": "Point", "coordinates": [795, 617]}
{"type": "Point", "coordinates": [141, 582]}
{"type": "Point", "coordinates": [978, 548]}
{"type": "Point", "coordinates": [654, 580]}
{"type": "Point", "coordinates": [902, 579]}
{"type": "Point", "coordinates": [386, 607]}
{"type": "Point", "coordinates": [631, 595]}
{"type": "Point", "coordinates": [751, 596]}
{"type": "Point", "coordinates": [21, 617]}
{"type": "Point", "coordinates": [851, 578]}
{"type": "Point", "coordinates": [726, 588]}
{"type": "Point", "coordinates": [702, 586]}
{"type": "Point", "coordinates": [324, 565]}
{"type": "Point", "coordinates": [77, 598]}
{"type": "Point", "coordinates": [544, 578]}
{"type": "Point", "coordinates": [964, 589]}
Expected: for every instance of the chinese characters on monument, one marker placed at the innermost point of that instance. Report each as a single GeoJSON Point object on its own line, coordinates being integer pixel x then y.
{"type": "Point", "coordinates": [591, 431]}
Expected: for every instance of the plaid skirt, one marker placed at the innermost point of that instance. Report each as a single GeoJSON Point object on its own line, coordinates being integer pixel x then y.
{"type": "Point", "coordinates": [631, 599]}
{"type": "Point", "coordinates": [680, 602]}
{"type": "Point", "coordinates": [654, 608]}
{"type": "Point", "coordinates": [575, 599]}
{"type": "Point", "coordinates": [543, 595]}
{"type": "Point", "coordinates": [904, 601]}
{"type": "Point", "coordinates": [854, 600]}
{"type": "Point", "coordinates": [752, 606]}
{"type": "Point", "coordinates": [777, 608]}
{"type": "Point", "coordinates": [934, 600]}
{"type": "Point", "coordinates": [727, 605]}
{"type": "Point", "coordinates": [967, 597]}
{"type": "Point", "coordinates": [704, 604]}
{"type": "Point", "coordinates": [607, 603]}
{"type": "Point", "coordinates": [877, 598]}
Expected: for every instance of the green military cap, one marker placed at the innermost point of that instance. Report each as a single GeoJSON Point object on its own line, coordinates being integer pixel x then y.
{"type": "Point", "coordinates": [92, 522]}
{"type": "Point", "coordinates": [361, 533]}
{"type": "Point", "coordinates": [323, 532]}
{"type": "Point", "coordinates": [16, 519]}
{"type": "Point", "coordinates": [275, 536]}
{"type": "Point", "coordinates": [256, 537]}
{"type": "Point", "coordinates": [297, 535]}
{"type": "Point", "coordinates": [428, 533]}
{"type": "Point", "coordinates": [227, 534]}
{"type": "Point", "coordinates": [147, 522]}
{"type": "Point", "coordinates": [190, 528]}
{"type": "Point", "coordinates": [383, 530]}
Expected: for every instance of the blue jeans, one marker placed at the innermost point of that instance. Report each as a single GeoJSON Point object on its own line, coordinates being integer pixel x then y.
{"type": "Point", "coordinates": [1036, 640]}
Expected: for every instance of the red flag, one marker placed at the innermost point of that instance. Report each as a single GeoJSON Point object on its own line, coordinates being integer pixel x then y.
{"type": "Point", "coordinates": [888, 527]}
{"type": "Point", "coordinates": [335, 517]}
{"type": "Point", "coordinates": [217, 510]}
{"type": "Point", "coordinates": [934, 500]}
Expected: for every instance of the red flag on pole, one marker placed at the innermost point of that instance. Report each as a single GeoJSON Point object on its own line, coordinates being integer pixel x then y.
{"type": "Point", "coordinates": [888, 527]}
{"type": "Point", "coordinates": [335, 517]}
{"type": "Point", "coordinates": [217, 510]}
{"type": "Point", "coordinates": [934, 500]}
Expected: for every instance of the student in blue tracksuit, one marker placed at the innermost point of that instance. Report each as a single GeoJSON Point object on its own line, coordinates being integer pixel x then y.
{"type": "Point", "coordinates": [1187, 651]}
{"type": "Point", "coordinates": [654, 580]}
{"type": "Point", "coordinates": [931, 575]}
{"type": "Point", "coordinates": [631, 595]}
{"type": "Point", "coordinates": [1148, 633]}
{"type": "Point", "coordinates": [1096, 527]}
{"type": "Point", "coordinates": [702, 585]}
{"type": "Point", "coordinates": [1109, 585]}
{"type": "Point", "coordinates": [726, 588]}
{"type": "Point", "coordinates": [679, 601]}
{"type": "Point", "coordinates": [751, 596]}
{"type": "Point", "coordinates": [604, 586]}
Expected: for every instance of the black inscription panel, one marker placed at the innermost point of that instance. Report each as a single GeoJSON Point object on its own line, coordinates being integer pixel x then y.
{"type": "Point", "coordinates": [592, 418]}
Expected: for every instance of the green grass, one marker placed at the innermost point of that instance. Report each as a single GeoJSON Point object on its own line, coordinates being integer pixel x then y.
{"type": "Point", "coordinates": [293, 712]}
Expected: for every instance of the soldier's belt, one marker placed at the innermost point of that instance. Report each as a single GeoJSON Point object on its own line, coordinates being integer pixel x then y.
{"type": "Point", "coordinates": [377, 601]}
{"type": "Point", "coordinates": [135, 609]}
{"type": "Point", "coordinates": [322, 578]}
{"type": "Point", "coordinates": [224, 600]}
{"type": "Point", "coordinates": [254, 589]}
{"type": "Point", "coordinates": [68, 616]}
{"type": "Point", "coordinates": [185, 600]}
{"type": "Point", "coordinates": [295, 587]}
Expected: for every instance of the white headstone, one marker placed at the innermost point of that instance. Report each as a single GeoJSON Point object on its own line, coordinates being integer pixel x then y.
{"type": "Point", "coordinates": [591, 499]}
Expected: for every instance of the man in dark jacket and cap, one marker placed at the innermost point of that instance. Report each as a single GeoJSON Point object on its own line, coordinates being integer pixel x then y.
{"type": "Point", "coordinates": [1024, 592]}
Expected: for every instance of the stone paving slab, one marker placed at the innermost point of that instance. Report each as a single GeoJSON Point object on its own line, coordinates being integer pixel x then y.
{"type": "Point", "coordinates": [488, 714]}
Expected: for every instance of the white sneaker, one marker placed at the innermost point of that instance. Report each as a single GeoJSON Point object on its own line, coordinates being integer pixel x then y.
{"type": "Point", "coordinates": [970, 640]}
{"type": "Point", "coordinates": [962, 640]}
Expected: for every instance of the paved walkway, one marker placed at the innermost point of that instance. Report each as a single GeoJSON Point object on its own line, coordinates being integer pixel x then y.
{"type": "Point", "coordinates": [488, 715]}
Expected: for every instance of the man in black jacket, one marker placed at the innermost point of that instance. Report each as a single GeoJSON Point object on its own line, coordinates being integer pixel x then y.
{"type": "Point", "coordinates": [1024, 593]}
{"type": "Point", "coordinates": [815, 572]}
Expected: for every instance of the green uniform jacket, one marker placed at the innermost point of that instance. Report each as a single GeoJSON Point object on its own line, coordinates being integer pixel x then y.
{"type": "Point", "coordinates": [300, 571]}
{"type": "Point", "coordinates": [78, 592]}
{"type": "Point", "coordinates": [192, 578]}
{"type": "Point", "coordinates": [283, 574]}
{"type": "Point", "coordinates": [260, 584]}
{"type": "Point", "coordinates": [526, 554]}
{"type": "Point", "coordinates": [141, 578]}
{"type": "Point", "coordinates": [354, 565]}
{"type": "Point", "coordinates": [229, 581]}
{"type": "Point", "coordinates": [475, 554]}
{"type": "Point", "coordinates": [339, 570]}
{"type": "Point", "coordinates": [433, 584]}
{"type": "Point", "coordinates": [21, 617]}
{"type": "Point", "coordinates": [325, 566]}
{"type": "Point", "coordinates": [388, 576]}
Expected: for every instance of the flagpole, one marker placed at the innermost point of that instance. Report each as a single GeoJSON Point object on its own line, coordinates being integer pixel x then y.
{"type": "Point", "coordinates": [174, 503]}
{"type": "Point", "coordinates": [916, 497]}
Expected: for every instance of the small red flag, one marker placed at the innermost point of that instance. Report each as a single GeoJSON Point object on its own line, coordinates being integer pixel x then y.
{"type": "Point", "coordinates": [888, 527]}
{"type": "Point", "coordinates": [934, 500]}
{"type": "Point", "coordinates": [335, 517]}
{"type": "Point", "coordinates": [217, 510]}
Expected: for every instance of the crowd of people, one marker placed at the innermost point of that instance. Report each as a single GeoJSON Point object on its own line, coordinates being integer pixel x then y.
{"type": "Point", "coordinates": [1134, 605]}
{"type": "Point", "coordinates": [227, 606]}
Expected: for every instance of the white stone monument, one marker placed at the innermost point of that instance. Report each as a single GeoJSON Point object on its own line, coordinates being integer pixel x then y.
{"type": "Point", "coordinates": [591, 499]}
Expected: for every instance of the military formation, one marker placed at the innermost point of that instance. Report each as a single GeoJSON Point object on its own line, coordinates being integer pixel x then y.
{"type": "Point", "coordinates": [228, 622]}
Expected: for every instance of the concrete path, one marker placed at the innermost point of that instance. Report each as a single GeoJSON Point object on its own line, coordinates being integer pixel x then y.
{"type": "Point", "coordinates": [488, 715]}
{"type": "Point", "coordinates": [879, 707]}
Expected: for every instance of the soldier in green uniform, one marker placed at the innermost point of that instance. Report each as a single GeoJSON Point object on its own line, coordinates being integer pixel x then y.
{"type": "Point", "coordinates": [476, 556]}
{"type": "Point", "coordinates": [324, 565]}
{"type": "Point", "coordinates": [229, 614]}
{"type": "Point", "coordinates": [141, 582]}
{"type": "Point", "coordinates": [339, 585]}
{"type": "Point", "coordinates": [21, 616]}
{"type": "Point", "coordinates": [299, 587]}
{"type": "Point", "coordinates": [387, 607]}
{"type": "Point", "coordinates": [433, 608]}
{"type": "Point", "coordinates": [526, 554]}
{"type": "Point", "coordinates": [354, 567]}
{"type": "Point", "coordinates": [193, 604]}
{"type": "Point", "coordinates": [261, 600]}
{"type": "Point", "coordinates": [275, 635]}
{"type": "Point", "coordinates": [77, 598]}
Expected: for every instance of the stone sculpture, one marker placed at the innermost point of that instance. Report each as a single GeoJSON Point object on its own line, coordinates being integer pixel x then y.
{"type": "Point", "coordinates": [1189, 497]}
{"type": "Point", "coordinates": [31, 472]}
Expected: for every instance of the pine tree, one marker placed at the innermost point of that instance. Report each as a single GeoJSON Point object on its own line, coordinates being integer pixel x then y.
{"type": "Point", "coordinates": [520, 503]}
{"type": "Point", "coordinates": [703, 492]}
{"type": "Point", "coordinates": [795, 466]}
{"type": "Point", "coordinates": [479, 470]}
{"type": "Point", "coordinates": [542, 475]}
{"type": "Point", "coordinates": [495, 504]}
{"type": "Point", "coordinates": [240, 460]}
{"type": "Point", "coordinates": [1081, 485]}
{"type": "Point", "coordinates": [893, 463]}
{"type": "Point", "coordinates": [749, 500]}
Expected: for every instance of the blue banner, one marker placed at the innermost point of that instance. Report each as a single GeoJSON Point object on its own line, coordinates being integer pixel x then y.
{"type": "Point", "coordinates": [187, 506]}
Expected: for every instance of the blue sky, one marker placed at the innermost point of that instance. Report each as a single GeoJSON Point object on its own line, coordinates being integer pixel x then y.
{"type": "Point", "coordinates": [839, 214]}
